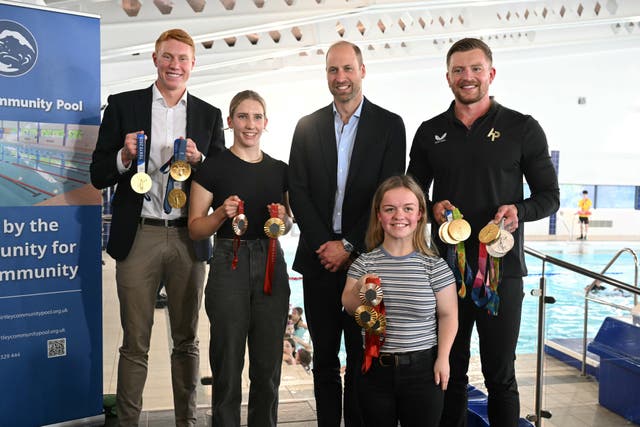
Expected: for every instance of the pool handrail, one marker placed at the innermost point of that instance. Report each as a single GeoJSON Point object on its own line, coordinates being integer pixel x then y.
{"type": "Point", "coordinates": [588, 298]}
{"type": "Point", "coordinates": [543, 300]}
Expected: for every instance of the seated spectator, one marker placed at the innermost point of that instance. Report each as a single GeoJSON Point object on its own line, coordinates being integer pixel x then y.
{"type": "Point", "coordinates": [299, 326]}
{"type": "Point", "coordinates": [288, 351]}
{"type": "Point", "coordinates": [303, 357]}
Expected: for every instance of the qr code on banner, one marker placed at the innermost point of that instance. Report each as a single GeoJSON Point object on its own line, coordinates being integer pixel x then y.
{"type": "Point", "coordinates": [57, 347]}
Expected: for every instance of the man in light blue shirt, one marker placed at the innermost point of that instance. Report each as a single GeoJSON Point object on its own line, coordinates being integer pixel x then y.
{"type": "Point", "coordinates": [339, 156]}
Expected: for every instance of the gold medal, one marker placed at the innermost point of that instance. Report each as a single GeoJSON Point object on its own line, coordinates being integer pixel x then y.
{"type": "Point", "coordinates": [141, 183]}
{"type": "Point", "coordinates": [274, 227]}
{"type": "Point", "coordinates": [380, 326]}
{"type": "Point", "coordinates": [177, 198]}
{"type": "Point", "coordinates": [365, 316]}
{"type": "Point", "coordinates": [489, 233]}
{"type": "Point", "coordinates": [370, 294]}
{"type": "Point", "coordinates": [180, 170]}
{"type": "Point", "coordinates": [459, 229]}
{"type": "Point", "coordinates": [443, 232]}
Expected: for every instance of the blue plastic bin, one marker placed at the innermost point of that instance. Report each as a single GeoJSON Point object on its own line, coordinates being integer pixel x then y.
{"type": "Point", "coordinates": [618, 345]}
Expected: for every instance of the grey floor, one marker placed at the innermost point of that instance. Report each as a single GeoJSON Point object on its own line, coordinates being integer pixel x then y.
{"type": "Point", "coordinates": [571, 398]}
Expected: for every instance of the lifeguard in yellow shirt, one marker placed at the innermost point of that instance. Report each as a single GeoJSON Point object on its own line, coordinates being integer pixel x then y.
{"type": "Point", "coordinates": [584, 212]}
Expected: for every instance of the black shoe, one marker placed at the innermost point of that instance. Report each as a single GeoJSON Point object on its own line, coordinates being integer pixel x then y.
{"type": "Point", "coordinates": [580, 238]}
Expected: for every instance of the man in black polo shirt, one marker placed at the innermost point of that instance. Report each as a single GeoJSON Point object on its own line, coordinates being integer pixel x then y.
{"type": "Point", "coordinates": [475, 154]}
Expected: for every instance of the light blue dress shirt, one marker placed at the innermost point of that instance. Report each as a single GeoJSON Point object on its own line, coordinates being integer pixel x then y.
{"type": "Point", "coordinates": [345, 139]}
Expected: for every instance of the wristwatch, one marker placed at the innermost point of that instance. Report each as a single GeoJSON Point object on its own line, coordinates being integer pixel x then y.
{"type": "Point", "coordinates": [347, 246]}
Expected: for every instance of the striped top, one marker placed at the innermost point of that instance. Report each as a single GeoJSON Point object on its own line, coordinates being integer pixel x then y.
{"type": "Point", "coordinates": [409, 284]}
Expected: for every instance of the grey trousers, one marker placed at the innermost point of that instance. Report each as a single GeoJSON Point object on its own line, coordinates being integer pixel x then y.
{"type": "Point", "coordinates": [159, 253]}
{"type": "Point", "coordinates": [242, 315]}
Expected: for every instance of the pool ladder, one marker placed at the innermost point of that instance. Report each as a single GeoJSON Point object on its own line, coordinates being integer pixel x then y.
{"type": "Point", "coordinates": [544, 299]}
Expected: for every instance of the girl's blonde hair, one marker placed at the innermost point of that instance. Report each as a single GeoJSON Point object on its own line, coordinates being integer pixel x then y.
{"type": "Point", "coordinates": [375, 234]}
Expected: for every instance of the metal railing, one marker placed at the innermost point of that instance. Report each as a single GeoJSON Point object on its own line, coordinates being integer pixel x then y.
{"type": "Point", "coordinates": [543, 299]}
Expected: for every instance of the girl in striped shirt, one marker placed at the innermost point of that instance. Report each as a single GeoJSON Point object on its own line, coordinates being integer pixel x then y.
{"type": "Point", "coordinates": [406, 369]}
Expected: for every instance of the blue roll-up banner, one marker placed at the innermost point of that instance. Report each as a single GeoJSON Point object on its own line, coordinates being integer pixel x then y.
{"type": "Point", "coordinates": [50, 217]}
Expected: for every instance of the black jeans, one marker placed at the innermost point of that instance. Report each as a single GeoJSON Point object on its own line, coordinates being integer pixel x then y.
{"type": "Point", "coordinates": [498, 337]}
{"type": "Point", "coordinates": [242, 316]}
{"type": "Point", "coordinates": [327, 321]}
{"type": "Point", "coordinates": [404, 392]}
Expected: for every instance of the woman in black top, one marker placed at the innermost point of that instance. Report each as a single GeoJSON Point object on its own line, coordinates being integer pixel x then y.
{"type": "Point", "coordinates": [247, 294]}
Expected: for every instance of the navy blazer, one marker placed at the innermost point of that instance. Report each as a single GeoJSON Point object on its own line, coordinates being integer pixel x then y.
{"type": "Point", "coordinates": [379, 151]}
{"type": "Point", "coordinates": [130, 112]}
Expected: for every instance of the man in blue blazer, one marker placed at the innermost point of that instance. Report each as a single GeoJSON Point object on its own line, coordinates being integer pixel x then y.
{"type": "Point", "coordinates": [339, 156]}
{"type": "Point", "coordinates": [149, 238]}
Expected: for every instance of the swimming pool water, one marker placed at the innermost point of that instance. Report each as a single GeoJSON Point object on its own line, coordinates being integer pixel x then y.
{"type": "Point", "coordinates": [564, 319]}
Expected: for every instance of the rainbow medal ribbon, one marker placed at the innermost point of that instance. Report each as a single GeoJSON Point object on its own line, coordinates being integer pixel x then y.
{"type": "Point", "coordinates": [141, 181]}
{"type": "Point", "coordinates": [273, 228]}
{"type": "Point", "coordinates": [497, 242]}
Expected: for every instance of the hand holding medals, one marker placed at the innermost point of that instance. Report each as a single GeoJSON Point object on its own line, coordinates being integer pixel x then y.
{"type": "Point", "coordinates": [371, 314]}
{"type": "Point", "coordinates": [454, 230]}
{"type": "Point", "coordinates": [498, 240]}
{"type": "Point", "coordinates": [140, 182]}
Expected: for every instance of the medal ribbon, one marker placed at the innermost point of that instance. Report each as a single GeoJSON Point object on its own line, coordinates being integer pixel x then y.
{"type": "Point", "coordinates": [140, 141]}
{"type": "Point", "coordinates": [481, 293]}
{"type": "Point", "coordinates": [236, 239]}
{"type": "Point", "coordinates": [372, 341]}
{"type": "Point", "coordinates": [271, 257]}
{"type": "Point", "coordinates": [461, 258]}
{"type": "Point", "coordinates": [495, 274]}
{"type": "Point", "coordinates": [179, 153]}
{"type": "Point", "coordinates": [180, 149]}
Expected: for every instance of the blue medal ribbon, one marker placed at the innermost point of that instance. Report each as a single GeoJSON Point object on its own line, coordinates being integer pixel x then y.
{"type": "Point", "coordinates": [140, 141]}
{"type": "Point", "coordinates": [179, 153]}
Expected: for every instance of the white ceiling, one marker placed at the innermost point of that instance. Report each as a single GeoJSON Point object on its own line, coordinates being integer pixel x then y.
{"type": "Point", "coordinates": [236, 39]}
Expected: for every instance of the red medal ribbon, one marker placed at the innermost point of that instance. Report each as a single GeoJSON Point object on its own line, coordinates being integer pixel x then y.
{"type": "Point", "coordinates": [372, 341]}
{"type": "Point", "coordinates": [271, 257]}
{"type": "Point", "coordinates": [236, 239]}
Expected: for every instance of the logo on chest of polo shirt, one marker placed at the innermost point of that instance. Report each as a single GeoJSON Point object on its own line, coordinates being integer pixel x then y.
{"type": "Point", "coordinates": [493, 134]}
{"type": "Point", "coordinates": [439, 139]}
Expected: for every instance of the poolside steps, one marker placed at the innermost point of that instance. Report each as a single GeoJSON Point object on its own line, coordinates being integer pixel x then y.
{"type": "Point", "coordinates": [569, 351]}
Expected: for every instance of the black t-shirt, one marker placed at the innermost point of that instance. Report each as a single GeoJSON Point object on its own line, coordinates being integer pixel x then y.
{"type": "Point", "coordinates": [257, 184]}
{"type": "Point", "coordinates": [480, 168]}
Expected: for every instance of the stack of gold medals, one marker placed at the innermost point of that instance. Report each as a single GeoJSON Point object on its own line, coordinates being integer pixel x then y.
{"type": "Point", "coordinates": [454, 231]}
{"type": "Point", "coordinates": [371, 314]}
